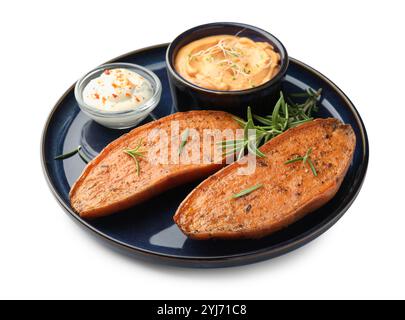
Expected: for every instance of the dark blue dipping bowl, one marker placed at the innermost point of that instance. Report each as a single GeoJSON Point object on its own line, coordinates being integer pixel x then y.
{"type": "Point", "coordinates": [188, 96]}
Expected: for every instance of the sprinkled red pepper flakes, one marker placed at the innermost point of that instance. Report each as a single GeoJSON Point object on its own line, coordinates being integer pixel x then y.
{"type": "Point", "coordinates": [104, 100]}
{"type": "Point", "coordinates": [137, 99]}
{"type": "Point", "coordinates": [97, 96]}
{"type": "Point", "coordinates": [107, 72]}
{"type": "Point", "coordinates": [128, 95]}
{"type": "Point", "coordinates": [114, 95]}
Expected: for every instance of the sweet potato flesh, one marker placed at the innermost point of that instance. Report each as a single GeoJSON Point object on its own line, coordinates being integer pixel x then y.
{"type": "Point", "coordinates": [288, 192]}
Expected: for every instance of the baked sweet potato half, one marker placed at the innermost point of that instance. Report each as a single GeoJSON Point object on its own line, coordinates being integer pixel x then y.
{"type": "Point", "coordinates": [116, 180]}
{"type": "Point", "coordinates": [283, 187]}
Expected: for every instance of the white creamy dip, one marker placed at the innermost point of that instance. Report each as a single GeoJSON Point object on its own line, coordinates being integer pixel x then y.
{"type": "Point", "coordinates": [117, 90]}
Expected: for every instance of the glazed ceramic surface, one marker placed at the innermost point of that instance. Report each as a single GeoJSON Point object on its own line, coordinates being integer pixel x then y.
{"type": "Point", "coordinates": [148, 230]}
{"type": "Point", "coordinates": [188, 96]}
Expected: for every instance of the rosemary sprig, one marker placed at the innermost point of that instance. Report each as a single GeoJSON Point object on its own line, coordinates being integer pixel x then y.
{"type": "Point", "coordinates": [70, 154]}
{"type": "Point", "coordinates": [248, 142]}
{"type": "Point", "coordinates": [286, 114]}
{"type": "Point", "coordinates": [135, 153]}
{"type": "Point", "coordinates": [184, 138]}
{"type": "Point", "coordinates": [306, 158]}
{"type": "Point", "coordinates": [246, 191]}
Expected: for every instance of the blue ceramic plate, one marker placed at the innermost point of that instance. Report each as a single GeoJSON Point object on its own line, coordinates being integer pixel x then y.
{"type": "Point", "coordinates": [148, 230]}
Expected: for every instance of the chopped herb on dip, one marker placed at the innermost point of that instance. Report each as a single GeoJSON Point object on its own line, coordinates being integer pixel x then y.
{"type": "Point", "coordinates": [117, 90]}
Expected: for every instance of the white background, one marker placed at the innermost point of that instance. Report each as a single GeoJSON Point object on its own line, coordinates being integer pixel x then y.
{"type": "Point", "coordinates": [47, 45]}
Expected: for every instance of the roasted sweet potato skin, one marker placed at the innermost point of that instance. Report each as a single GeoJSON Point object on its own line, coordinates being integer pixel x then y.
{"type": "Point", "coordinates": [110, 182]}
{"type": "Point", "coordinates": [289, 191]}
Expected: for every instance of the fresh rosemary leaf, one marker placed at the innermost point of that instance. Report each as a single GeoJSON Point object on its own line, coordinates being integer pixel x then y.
{"type": "Point", "coordinates": [249, 124]}
{"type": "Point", "coordinates": [297, 123]}
{"type": "Point", "coordinates": [286, 116]}
{"type": "Point", "coordinates": [184, 138]}
{"type": "Point", "coordinates": [134, 154]}
{"type": "Point", "coordinates": [231, 142]}
{"type": "Point", "coordinates": [83, 156]}
{"type": "Point", "coordinates": [135, 159]}
{"type": "Point", "coordinates": [246, 191]}
{"type": "Point", "coordinates": [263, 120]}
{"type": "Point", "coordinates": [294, 160]}
{"type": "Point", "coordinates": [233, 151]}
{"type": "Point", "coordinates": [267, 138]}
{"type": "Point", "coordinates": [241, 153]}
{"type": "Point", "coordinates": [306, 158]}
{"type": "Point", "coordinates": [68, 154]}
{"type": "Point", "coordinates": [299, 95]}
{"type": "Point", "coordinates": [249, 114]}
{"type": "Point", "coordinates": [254, 150]}
{"type": "Point", "coordinates": [312, 167]}
{"type": "Point", "coordinates": [274, 118]}
{"type": "Point", "coordinates": [240, 121]}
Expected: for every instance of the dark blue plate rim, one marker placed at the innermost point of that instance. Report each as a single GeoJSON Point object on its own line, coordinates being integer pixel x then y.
{"type": "Point", "coordinates": [227, 260]}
